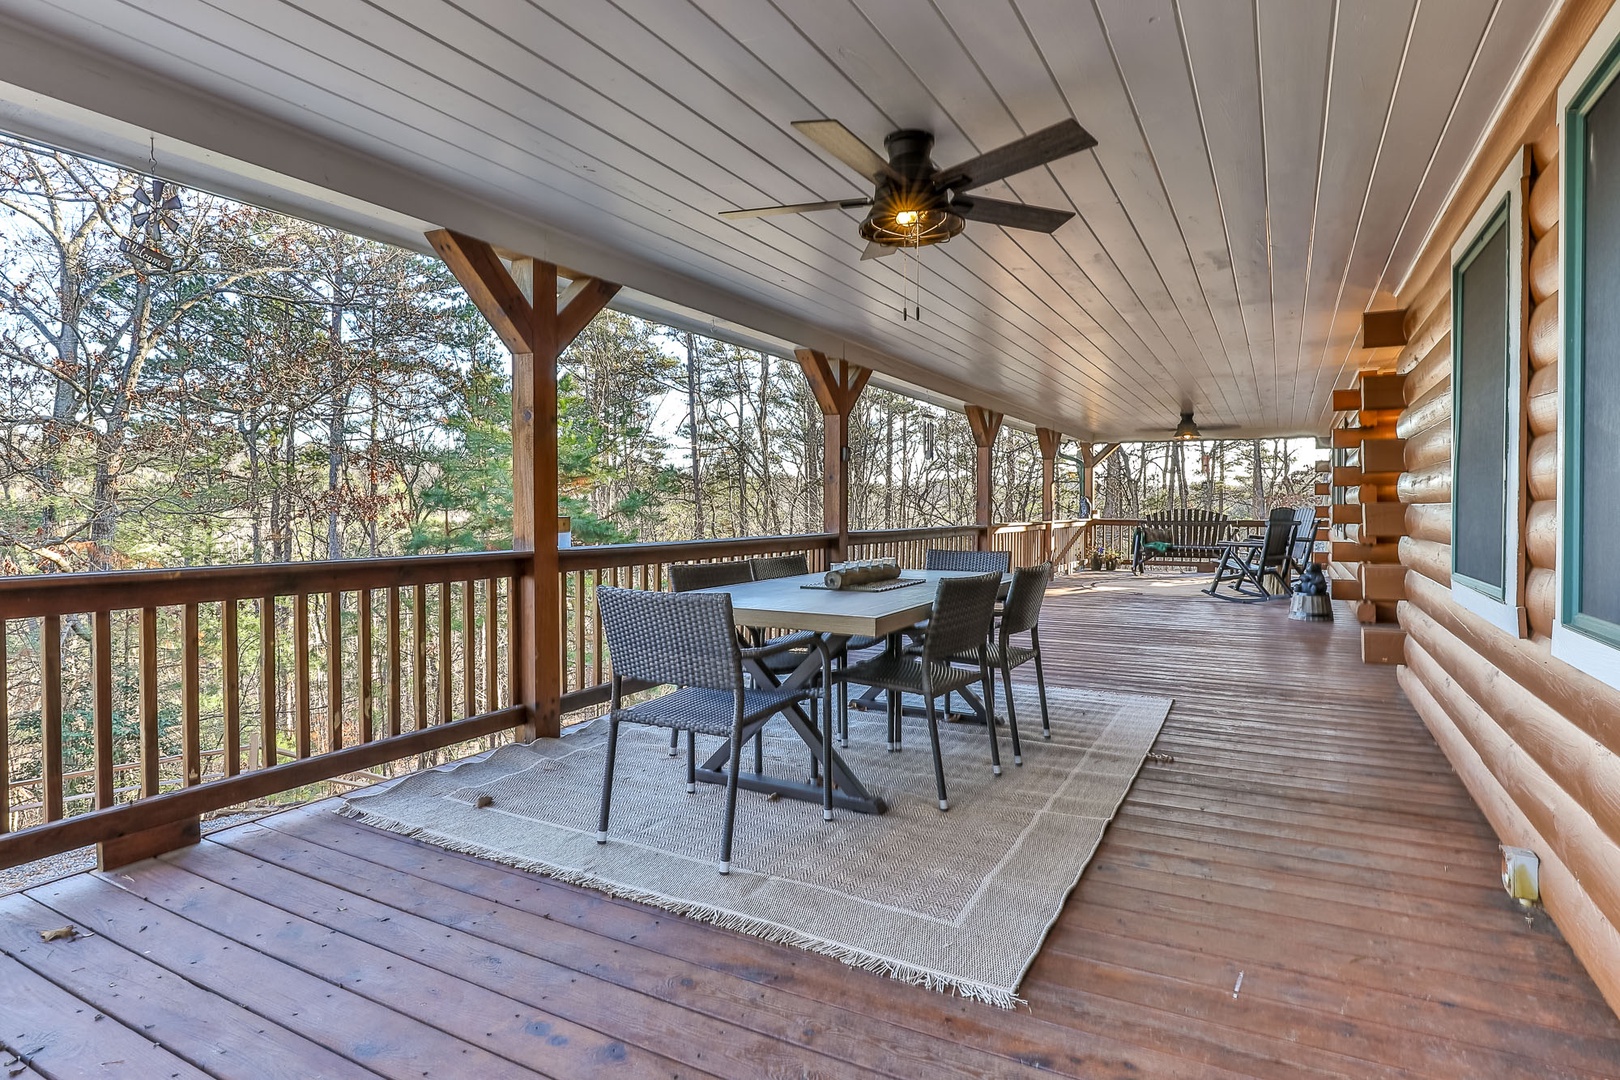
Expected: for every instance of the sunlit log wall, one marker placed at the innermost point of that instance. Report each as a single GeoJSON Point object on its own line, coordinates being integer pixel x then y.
{"type": "Point", "coordinates": [1534, 739]}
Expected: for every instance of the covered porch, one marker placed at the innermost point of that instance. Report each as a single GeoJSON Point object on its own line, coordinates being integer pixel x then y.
{"type": "Point", "coordinates": [1303, 888]}
{"type": "Point", "coordinates": [1304, 878]}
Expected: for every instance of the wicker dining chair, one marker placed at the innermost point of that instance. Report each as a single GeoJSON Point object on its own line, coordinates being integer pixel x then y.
{"type": "Point", "coordinates": [1021, 614]}
{"type": "Point", "coordinates": [974, 562]}
{"type": "Point", "coordinates": [689, 577]}
{"type": "Point", "coordinates": [687, 640]}
{"type": "Point", "coordinates": [960, 625]}
{"type": "Point", "coordinates": [779, 566]}
{"type": "Point", "coordinates": [784, 655]}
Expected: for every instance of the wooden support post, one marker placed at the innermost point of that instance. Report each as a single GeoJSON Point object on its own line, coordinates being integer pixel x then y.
{"type": "Point", "coordinates": [1091, 457]}
{"type": "Point", "coordinates": [536, 323]}
{"type": "Point", "coordinates": [1049, 441]}
{"type": "Point", "coordinates": [837, 385]}
{"type": "Point", "coordinates": [986, 424]}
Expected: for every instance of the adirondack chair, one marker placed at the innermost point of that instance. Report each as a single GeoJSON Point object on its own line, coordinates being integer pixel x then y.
{"type": "Point", "coordinates": [1184, 537]}
{"type": "Point", "coordinates": [1304, 539]}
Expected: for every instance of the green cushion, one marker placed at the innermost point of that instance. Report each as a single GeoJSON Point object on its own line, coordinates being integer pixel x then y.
{"type": "Point", "coordinates": [1160, 547]}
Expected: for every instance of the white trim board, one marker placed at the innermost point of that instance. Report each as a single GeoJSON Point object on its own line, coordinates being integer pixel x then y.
{"type": "Point", "coordinates": [1508, 613]}
{"type": "Point", "coordinates": [1580, 651]}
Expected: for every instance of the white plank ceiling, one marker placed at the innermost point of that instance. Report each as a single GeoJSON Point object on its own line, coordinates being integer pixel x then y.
{"type": "Point", "coordinates": [1265, 168]}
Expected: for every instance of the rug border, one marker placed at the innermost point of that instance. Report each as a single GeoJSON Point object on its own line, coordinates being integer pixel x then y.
{"type": "Point", "coordinates": [1003, 997]}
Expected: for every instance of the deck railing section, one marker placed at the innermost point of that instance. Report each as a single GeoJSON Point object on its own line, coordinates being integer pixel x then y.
{"type": "Point", "coordinates": [910, 546]}
{"type": "Point", "coordinates": [136, 699]}
{"type": "Point", "coordinates": [585, 664]}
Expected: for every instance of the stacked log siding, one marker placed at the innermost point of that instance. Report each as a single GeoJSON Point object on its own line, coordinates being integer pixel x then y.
{"type": "Point", "coordinates": [1534, 739]}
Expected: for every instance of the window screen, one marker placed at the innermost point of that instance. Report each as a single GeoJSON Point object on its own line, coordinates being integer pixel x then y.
{"type": "Point", "coordinates": [1480, 402]}
{"type": "Point", "coordinates": [1596, 433]}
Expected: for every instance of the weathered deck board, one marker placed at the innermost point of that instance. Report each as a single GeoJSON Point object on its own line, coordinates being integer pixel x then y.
{"type": "Point", "coordinates": [1308, 835]}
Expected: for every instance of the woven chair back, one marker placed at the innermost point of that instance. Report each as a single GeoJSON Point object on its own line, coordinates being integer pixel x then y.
{"type": "Point", "coordinates": [677, 639]}
{"type": "Point", "coordinates": [963, 610]}
{"type": "Point", "coordinates": [974, 562]}
{"type": "Point", "coordinates": [779, 566]}
{"type": "Point", "coordinates": [685, 577]}
{"type": "Point", "coordinates": [1022, 612]}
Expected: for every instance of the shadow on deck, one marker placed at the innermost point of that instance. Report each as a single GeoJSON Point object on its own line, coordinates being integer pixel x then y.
{"type": "Point", "coordinates": [1304, 890]}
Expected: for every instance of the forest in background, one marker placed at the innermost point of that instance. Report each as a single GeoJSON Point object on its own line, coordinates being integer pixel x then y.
{"type": "Point", "coordinates": [189, 380]}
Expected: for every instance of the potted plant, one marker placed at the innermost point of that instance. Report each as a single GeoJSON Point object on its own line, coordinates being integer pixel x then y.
{"type": "Point", "coordinates": [1097, 559]}
{"type": "Point", "coordinates": [1111, 559]}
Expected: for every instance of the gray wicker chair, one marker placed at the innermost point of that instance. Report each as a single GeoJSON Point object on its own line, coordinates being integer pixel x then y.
{"type": "Point", "coordinates": [687, 640]}
{"type": "Point", "coordinates": [976, 562]}
{"type": "Point", "coordinates": [960, 624]}
{"type": "Point", "coordinates": [1021, 614]}
{"type": "Point", "coordinates": [785, 654]}
{"type": "Point", "coordinates": [688, 577]}
{"type": "Point", "coordinates": [779, 566]}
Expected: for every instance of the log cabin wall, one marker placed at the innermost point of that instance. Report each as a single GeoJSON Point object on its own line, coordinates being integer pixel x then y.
{"type": "Point", "coordinates": [1534, 739]}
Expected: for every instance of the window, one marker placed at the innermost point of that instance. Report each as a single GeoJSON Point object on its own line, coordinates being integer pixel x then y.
{"type": "Point", "coordinates": [1587, 632]}
{"type": "Point", "coordinates": [1487, 310]}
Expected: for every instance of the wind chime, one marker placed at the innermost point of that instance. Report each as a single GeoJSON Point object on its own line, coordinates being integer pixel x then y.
{"type": "Point", "coordinates": [156, 207]}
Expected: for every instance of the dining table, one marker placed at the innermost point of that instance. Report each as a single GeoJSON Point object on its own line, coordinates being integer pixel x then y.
{"type": "Point", "coordinates": [802, 603]}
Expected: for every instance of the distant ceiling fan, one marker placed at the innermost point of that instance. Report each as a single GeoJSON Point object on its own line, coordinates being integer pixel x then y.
{"type": "Point", "coordinates": [916, 203]}
{"type": "Point", "coordinates": [1187, 431]}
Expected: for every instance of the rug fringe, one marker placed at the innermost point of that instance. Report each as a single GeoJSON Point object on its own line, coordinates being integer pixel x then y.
{"type": "Point", "coordinates": [1001, 997]}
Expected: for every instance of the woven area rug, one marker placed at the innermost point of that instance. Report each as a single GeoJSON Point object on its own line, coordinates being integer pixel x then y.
{"type": "Point", "coordinates": [956, 901]}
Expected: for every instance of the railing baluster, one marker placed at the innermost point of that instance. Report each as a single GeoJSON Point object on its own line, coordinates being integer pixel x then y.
{"type": "Point", "coordinates": [151, 776]}
{"type": "Point", "coordinates": [579, 631]}
{"type": "Point", "coordinates": [363, 662]}
{"type": "Point", "coordinates": [50, 691]}
{"type": "Point", "coordinates": [394, 659]}
{"type": "Point", "coordinates": [596, 627]}
{"type": "Point", "coordinates": [190, 695]}
{"type": "Point", "coordinates": [5, 733]}
{"type": "Point", "coordinates": [301, 723]}
{"type": "Point", "coordinates": [514, 640]}
{"type": "Point", "coordinates": [334, 671]}
{"type": "Point", "coordinates": [268, 739]}
{"type": "Point", "coordinates": [469, 648]}
{"type": "Point", "coordinates": [230, 687]}
{"type": "Point", "coordinates": [447, 680]}
{"type": "Point", "coordinates": [491, 647]}
{"type": "Point", "coordinates": [102, 704]}
{"type": "Point", "coordinates": [419, 655]}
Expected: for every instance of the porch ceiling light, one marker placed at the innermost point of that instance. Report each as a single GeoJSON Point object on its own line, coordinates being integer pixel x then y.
{"type": "Point", "coordinates": [1187, 429]}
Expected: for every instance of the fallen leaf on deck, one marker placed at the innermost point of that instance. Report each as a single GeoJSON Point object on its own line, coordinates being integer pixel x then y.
{"type": "Point", "coordinates": [59, 934]}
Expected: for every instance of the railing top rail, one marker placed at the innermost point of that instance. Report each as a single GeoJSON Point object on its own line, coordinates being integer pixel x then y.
{"type": "Point", "coordinates": [933, 532]}
{"type": "Point", "coordinates": [597, 556]}
{"type": "Point", "coordinates": [31, 596]}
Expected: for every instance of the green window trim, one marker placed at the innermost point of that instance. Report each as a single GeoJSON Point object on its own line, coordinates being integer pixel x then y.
{"type": "Point", "coordinates": [1574, 359]}
{"type": "Point", "coordinates": [1498, 221]}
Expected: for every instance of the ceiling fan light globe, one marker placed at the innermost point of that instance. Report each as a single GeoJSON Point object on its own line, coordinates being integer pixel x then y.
{"type": "Point", "coordinates": [1187, 430]}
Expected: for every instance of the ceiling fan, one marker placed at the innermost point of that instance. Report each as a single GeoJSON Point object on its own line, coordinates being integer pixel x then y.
{"type": "Point", "coordinates": [915, 203]}
{"type": "Point", "coordinates": [1187, 431]}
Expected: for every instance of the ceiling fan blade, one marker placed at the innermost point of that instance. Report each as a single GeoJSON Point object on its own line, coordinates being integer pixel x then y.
{"type": "Point", "coordinates": [875, 250]}
{"type": "Point", "coordinates": [1011, 215]}
{"type": "Point", "coordinates": [1048, 144]}
{"type": "Point", "coordinates": [796, 208]}
{"type": "Point", "coordinates": [843, 144]}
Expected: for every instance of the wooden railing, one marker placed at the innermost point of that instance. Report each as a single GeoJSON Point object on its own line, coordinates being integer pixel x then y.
{"type": "Point", "coordinates": [138, 700]}
{"type": "Point", "coordinates": [1028, 544]}
{"type": "Point", "coordinates": [585, 666]}
{"type": "Point", "coordinates": [145, 687]}
{"type": "Point", "coordinates": [910, 546]}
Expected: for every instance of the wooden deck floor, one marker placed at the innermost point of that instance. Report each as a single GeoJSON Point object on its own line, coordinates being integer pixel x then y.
{"type": "Point", "coordinates": [1304, 891]}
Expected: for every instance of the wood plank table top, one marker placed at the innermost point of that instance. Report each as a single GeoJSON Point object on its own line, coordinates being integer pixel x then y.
{"type": "Point", "coordinates": [785, 603]}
